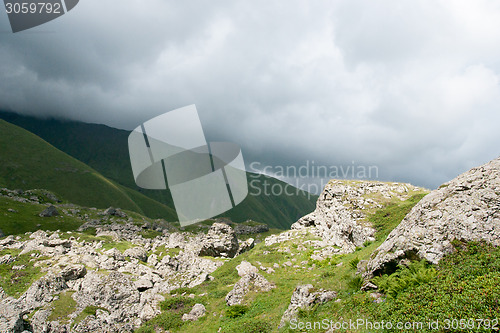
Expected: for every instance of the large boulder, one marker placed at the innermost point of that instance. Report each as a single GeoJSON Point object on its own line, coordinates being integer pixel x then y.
{"type": "Point", "coordinates": [220, 241]}
{"type": "Point", "coordinates": [466, 208]}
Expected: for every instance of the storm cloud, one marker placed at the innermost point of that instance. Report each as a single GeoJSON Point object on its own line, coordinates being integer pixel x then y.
{"type": "Point", "coordinates": [411, 87]}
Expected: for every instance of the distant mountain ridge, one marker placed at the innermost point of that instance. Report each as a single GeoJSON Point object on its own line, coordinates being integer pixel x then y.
{"type": "Point", "coordinates": [105, 149]}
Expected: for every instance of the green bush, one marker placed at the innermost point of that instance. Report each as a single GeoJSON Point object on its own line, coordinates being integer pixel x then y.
{"type": "Point", "coordinates": [355, 283]}
{"type": "Point", "coordinates": [405, 278]}
{"type": "Point", "coordinates": [354, 263]}
{"type": "Point", "coordinates": [465, 286]}
{"type": "Point", "coordinates": [236, 311]}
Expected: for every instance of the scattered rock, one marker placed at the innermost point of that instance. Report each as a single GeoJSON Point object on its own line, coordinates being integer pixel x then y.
{"type": "Point", "coordinates": [6, 259]}
{"type": "Point", "coordinates": [196, 312]}
{"type": "Point", "coordinates": [49, 212]}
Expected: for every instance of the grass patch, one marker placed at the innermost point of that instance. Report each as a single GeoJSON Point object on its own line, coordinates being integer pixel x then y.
{"type": "Point", "coordinates": [88, 311]}
{"type": "Point", "coordinates": [16, 282]}
{"type": "Point", "coordinates": [63, 307]}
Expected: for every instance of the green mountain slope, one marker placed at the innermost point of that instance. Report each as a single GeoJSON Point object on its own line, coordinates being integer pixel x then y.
{"type": "Point", "coordinates": [27, 162]}
{"type": "Point", "coordinates": [105, 149]}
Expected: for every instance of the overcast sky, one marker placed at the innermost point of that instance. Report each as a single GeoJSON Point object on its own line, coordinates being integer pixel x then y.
{"type": "Point", "coordinates": [411, 87]}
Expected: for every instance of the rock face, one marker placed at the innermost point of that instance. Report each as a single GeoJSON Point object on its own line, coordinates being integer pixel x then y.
{"type": "Point", "coordinates": [466, 208]}
{"type": "Point", "coordinates": [220, 241]}
{"type": "Point", "coordinates": [302, 297]}
{"type": "Point", "coordinates": [339, 218]}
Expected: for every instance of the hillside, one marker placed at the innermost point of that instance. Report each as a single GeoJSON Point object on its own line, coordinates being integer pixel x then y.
{"type": "Point", "coordinates": [117, 271]}
{"type": "Point", "coordinates": [27, 162]}
{"type": "Point", "coordinates": [105, 149]}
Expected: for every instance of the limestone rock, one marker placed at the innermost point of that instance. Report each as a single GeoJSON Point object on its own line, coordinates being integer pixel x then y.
{"type": "Point", "coordinates": [220, 241]}
{"type": "Point", "coordinates": [73, 272]}
{"type": "Point", "coordinates": [246, 246]}
{"type": "Point", "coordinates": [196, 312]}
{"type": "Point", "coordinates": [242, 287]}
{"type": "Point", "coordinates": [114, 212]}
{"type": "Point", "coordinates": [11, 317]}
{"type": "Point", "coordinates": [302, 297]}
{"type": "Point", "coordinates": [466, 208]}
{"type": "Point", "coordinates": [246, 268]}
{"type": "Point", "coordinates": [143, 284]}
{"type": "Point", "coordinates": [339, 217]}
{"type": "Point", "coordinates": [137, 253]}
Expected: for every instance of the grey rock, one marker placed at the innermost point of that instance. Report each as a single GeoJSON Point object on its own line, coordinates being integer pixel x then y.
{"type": "Point", "coordinates": [73, 272]}
{"type": "Point", "coordinates": [246, 246]}
{"type": "Point", "coordinates": [196, 312]}
{"type": "Point", "coordinates": [466, 208]}
{"type": "Point", "coordinates": [219, 241]}
{"type": "Point", "coordinates": [242, 287]}
{"type": "Point", "coordinates": [143, 284]}
{"type": "Point", "coordinates": [11, 317]}
{"type": "Point", "coordinates": [114, 212]}
{"type": "Point", "coordinates": [41, 291]}
{"type": "Point", "coordinates": [339, 217]}
{"type": "Point", "coordinates": [136, 252]}
{"type": "Point", "coordinates": [246, 268]}
{"type": "Point", "coordinates": [302, 297]}
{"type": "Point", "coordinates": [241, 229]}
{"type": "Point", "coordinates": [49, 212]}
{"type": "Point", "coordinates": [6, 259]}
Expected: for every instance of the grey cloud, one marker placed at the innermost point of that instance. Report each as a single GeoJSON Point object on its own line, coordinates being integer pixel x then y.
{"type": "Point", "coordinates": [410, 87]}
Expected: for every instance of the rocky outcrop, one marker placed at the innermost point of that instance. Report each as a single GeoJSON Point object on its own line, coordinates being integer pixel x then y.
{"type": "Point", "coordinates": [466, 208]}
{"type": "Point", "coordinates": [250, 280]}
{"type": "Point", "coordinates": [220, 241]}
{"type": "Point", "coordinates": [340, 215]}
{"type": "Point", "coordinates": [304, 296]}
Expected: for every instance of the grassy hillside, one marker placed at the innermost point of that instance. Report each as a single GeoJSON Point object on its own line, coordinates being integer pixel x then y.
{"type": "Point", "coordinates": [105, 149]}
{"type": "Point", "coordinates": [27, 162]}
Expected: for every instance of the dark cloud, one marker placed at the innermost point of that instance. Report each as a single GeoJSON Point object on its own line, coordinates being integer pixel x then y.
{"type": "Point", "coordinates": [410, 87]}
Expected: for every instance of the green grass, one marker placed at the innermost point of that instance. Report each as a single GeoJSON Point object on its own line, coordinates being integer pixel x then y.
{"type": "Point", "coordinates": [63, 307]}
{"type": "Point", "coordinates": [16, 282]}
{"type": "Point", "coordinates": [27, 162]}
{"type": "Point", "coordinates": [26, 218]}
{"type": "Point", "coordinates": [88, 311]}
{"type": "Point", "coordinates": [105, 150]}
{"type": "Point", "coordinates": [387, 218]}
